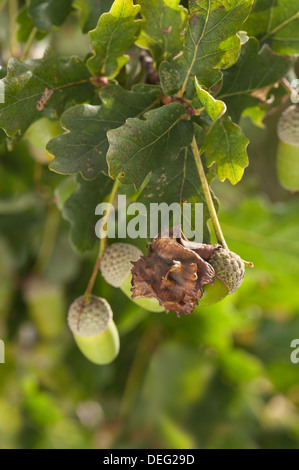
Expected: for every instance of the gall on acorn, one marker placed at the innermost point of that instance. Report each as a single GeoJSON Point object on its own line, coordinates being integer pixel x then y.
{"type": "Point", "coordinates": [181, 274]}
{"type": "Point", "coordinates": [288, 148]}
{"type": "Point", "coordinates": [94, 330]}
{"type": "Point", "coordinates": [115, 267]}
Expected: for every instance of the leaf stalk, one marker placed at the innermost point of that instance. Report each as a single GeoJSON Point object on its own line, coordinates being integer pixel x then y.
{"type": "Point", "coordinates": [207, 194]}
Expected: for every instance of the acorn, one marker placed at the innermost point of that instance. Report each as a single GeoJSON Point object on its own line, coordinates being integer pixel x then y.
{"type": "Point", "coordinates": [213, 293]}
{"type": "Point", "coordinates": [116, 264]}
{"type": "Point", "coordinates": [229, 268]}
{"type": "Point", "coordinates": [288, 148]}
{"type": "Point", "coordinates": [94, 330]}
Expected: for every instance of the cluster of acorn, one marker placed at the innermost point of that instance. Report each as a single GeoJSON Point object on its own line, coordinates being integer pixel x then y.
{"type": "Point", "coordinates": [91, 321]}
{"type": "Point", "coordinates": [176, 275]}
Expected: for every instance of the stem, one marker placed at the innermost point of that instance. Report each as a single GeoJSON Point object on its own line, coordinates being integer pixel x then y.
{"type": "Point", "coordinates": [103, 243]}
{"type": "Point", "coordinates": [207, 193]}
{"type": "Point", "coordinates": [12, 12]}
{"type": "Point", "coordinates": [49, 237]}
{"type": "Point", "coordinates": [29, 43]}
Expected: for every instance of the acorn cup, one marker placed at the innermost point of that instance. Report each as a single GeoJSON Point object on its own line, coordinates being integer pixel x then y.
{"type": "Point", "coordinates": [230, 271]}
{"type": "Point", "coordinates": [116, 264]}
{"type": "Point", "coordinates": [94, 330]}
{"type": "Point", "coordinates": [288, 148]}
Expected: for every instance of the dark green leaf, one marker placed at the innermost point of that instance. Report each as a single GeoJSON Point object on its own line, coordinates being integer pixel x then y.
{"type": "Point", "coordinates": [26, 25]}
{"type": "Point", "coordinates": [226, 145]}
{"type": "Point", "coordinates": [79, 210]}
{"type": "Point", "coordinates": [34, 88]}
{"type": "Point", "coordinates": [83, 148]}
{"type": "Point", "coordinates": [255, 69]}
{"type": "Point", "coordinates": [211, 44]}
{"type": "Point", "coordinates": [178, 181]}
{"type": "Point", "coordinates": [115, 33]}
{"type": "Point", "coordinates": [141, 146]}
{"type": "Point", "coordinates": [276, 23]}
{"type": "Point", "coordinates": [162, 31]}
{"type": "Point", "coordinates": [91, 11]}
{"type": "Point", "coordinates": [46, 13]}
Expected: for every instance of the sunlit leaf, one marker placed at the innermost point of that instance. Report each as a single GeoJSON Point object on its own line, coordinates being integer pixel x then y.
{"type": "Point", "coordinates": [162, 31]}
{"type": "Point", "coordinates": [116, 31]}
{"type": "Point", "coordinates": [225, 145]}
{"type": "Point", "coordinates": [211, 44]}
{"type": "Point", "coordinates": [215, 108]}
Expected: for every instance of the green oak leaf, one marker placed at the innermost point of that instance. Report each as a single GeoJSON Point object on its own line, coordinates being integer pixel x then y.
{"type": "Point", "coordinates": [26, 26]}
{"type": "Point", "coordinates": [225, 144]}
{"type": "Point", "coordinates": [211, 44]}
{"type": "Point", "coordinates": [162, 31]}
{"type": "Point", "coordinates": [140, 146]}
{"type": "Point", "coordinates": [277, 24]}
{"type": "Point", "coordinates": [84, 146]}
{"type": "Point", "coordinates": [215, 108]}
{"type": "Point", "coordinates": [79, 210]}
{"type": "Point", "coordinates": [46, 13]}
{"type": "Point", "coordinates": [91, 11]}
{"type": "Point", "coordinates": [116, 31]}
{"type": "Point", "coordinates": [178, 181]}
{"type": "Point", "coordinates": [39, 87]}
{"type": "Point", "coordinates": [256, 68]}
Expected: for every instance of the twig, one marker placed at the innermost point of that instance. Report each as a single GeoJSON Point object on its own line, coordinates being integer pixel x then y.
{"type": "Point", "coordinates": [29, 43]}
{"type": "Point", "coordinates": [207, 193]}
{"type": "Point", "coordinates": [103, 243]}
{"type": "Point", "coordinates": [12, 12]}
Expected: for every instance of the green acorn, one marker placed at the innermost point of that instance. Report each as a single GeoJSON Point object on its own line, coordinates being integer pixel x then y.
{"type": "Point", "coordinates": [94, 330]}
{"type": "Point", "coordinates": [116, 262]}
{"type": "Point", "coordinates": [213, 293]}
{"type": "Point", "coordinates": [115, 267]}
{"type": "Point", "coordinates": [288, 148]}
{"type": "Point", "coordinates": [229, 268]}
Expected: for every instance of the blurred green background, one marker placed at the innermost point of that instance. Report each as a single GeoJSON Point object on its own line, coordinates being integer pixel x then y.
{"type": "Point", "coordinates": [219, 378]}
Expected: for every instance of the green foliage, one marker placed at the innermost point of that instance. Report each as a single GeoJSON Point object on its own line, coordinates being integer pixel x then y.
{"type": "Point", "coordinates": [116, 31]}
{"type": "Point", "coordinates": [40, 87]}
{"type": "Point", "coordinates": [163, 38]}
{"type": "Point", "coordinates": [26, 26]}
{"type": "Point", "coordinates": [84, 147]}
{"type": "Point", "coordinates": [257, 68]}
{"type": "Point", "coordinates": [79, 209]}
{"type": "Point", "coordinates": [140, 145]}
{"type": "Point", "coordinates": [275, 23]}
{"type": "Point", "coordinates": [211, 44]}
{"type": "Point", "coordinates": [214, 108]}
{"type": "Point", "coordinates": [91, 10]}
{"type": "Point", "coordinates": [178, 181]}
{"type": "Point", "coordinates": [48, 13]}
{"type": "Point", "coordinates": [225, 144]}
